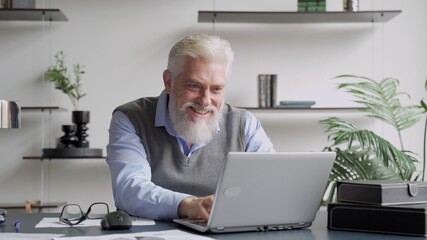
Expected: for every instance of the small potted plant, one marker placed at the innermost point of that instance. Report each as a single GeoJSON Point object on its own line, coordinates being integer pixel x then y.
{"type": "Point", "coordinates": [58, 75]}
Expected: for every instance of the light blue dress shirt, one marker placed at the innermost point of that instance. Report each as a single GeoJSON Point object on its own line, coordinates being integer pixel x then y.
{"type": "Point", "coordinates": [131, 173]}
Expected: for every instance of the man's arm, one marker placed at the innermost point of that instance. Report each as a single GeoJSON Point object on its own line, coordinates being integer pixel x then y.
{"type": "Point", "coordinates": [256, 138]}
{"type": "Point", "coordinates": [131, 175]}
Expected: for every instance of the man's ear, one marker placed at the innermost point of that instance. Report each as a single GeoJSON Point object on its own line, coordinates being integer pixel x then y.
{"type": "Point", "coordinates": [167, 81]}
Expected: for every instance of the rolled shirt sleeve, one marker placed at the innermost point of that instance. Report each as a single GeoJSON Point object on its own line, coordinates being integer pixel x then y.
{"type": "Point", "coordinates": [256, 138]}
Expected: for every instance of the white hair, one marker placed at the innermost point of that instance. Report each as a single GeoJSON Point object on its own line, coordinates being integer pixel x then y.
{"type": "Point", "coordinates": [205, 47]}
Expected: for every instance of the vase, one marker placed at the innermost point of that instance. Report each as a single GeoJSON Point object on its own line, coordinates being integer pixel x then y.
{"type": "Point", "coordinates": [69, 139]}
{"type": "Point", "coordinates": [81, 118]}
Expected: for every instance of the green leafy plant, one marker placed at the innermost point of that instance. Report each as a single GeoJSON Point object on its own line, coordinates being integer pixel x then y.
{"type": "Point", "coordinates": [362, 154]}
{"type": "Point", "coordinates": [424, 105]}
{"type": "Point", "coordinates": [58, 75]}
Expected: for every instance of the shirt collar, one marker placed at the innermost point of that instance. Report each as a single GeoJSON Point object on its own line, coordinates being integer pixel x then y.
{"type": "Point", "coordinates": [162, 114]}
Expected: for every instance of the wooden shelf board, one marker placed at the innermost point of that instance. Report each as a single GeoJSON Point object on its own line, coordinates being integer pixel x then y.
{"type": "Point", "coordinates": [27, 14]}
{"type": "Point", "coordinates": [43, 108]}
{"type": "Point", "coordinates": [305, 109]}
{"type": "Point", "coordinates": [295, 17]}
{"type": "Point", "coordinates": [42, 158]}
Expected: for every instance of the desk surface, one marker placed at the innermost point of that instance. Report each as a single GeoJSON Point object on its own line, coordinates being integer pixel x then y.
{"type": "Point", "coordinates": [317, 231]}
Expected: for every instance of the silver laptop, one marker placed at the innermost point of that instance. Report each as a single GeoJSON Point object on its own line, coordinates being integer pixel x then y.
{"type": "Point", "coordinates": [267, 191]}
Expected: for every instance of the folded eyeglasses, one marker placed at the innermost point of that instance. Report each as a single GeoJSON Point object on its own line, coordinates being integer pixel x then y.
{"type": "Point", "coordinates": [72, 214]}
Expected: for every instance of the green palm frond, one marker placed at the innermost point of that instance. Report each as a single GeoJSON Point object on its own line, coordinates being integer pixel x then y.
{"type": "Point", "coordinates": [423, 104]}
{"type": "Point", "coordinates": [356, 164]}
{"type": "Point", "coordinates": [360, 142]}
{"type": "Point", "coordinates": [382, 101]}
{"type": "Point", "coordinates": [353, 164]}
{"type": "Point", "coordinates": [362, 154]}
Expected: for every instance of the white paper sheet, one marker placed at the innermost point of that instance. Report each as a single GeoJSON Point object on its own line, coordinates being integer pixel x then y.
{"type": "Point", "coordinates": [29, 236]}
{"type": "Point", "coordinates": [55, 223]}
{"type": "Point", "coordinates": [159, 235]}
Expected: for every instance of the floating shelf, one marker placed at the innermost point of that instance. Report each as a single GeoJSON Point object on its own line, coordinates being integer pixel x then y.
{"type": "Point", "coordinates": [295, 17]}
{"type": "Point", "coordinates": [25, 14]}
{"type": "Point", "coordinates": [304, 109]}
{"type": "Point", "coordinates": [69, 153]}
{"type": "Point", "coordinates": [77, 157]}
{"type": "Point", "coordinates": [43, 108]}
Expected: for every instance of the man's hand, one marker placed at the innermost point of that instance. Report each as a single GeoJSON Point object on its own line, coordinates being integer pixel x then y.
{"type": "Point", "coordinates": [196, 207]}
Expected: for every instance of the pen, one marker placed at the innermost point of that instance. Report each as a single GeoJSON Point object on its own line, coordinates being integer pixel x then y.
{"type": "Point", "coordinates": [18, 225]}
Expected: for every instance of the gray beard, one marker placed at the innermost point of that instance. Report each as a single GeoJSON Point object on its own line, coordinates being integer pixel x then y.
{"type": "Point", "coordinates": [199, 132]}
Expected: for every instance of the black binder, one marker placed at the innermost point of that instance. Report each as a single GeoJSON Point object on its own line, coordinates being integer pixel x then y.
{"type": "Point", "coordinates": [382, 192]}
{"type": "Point", "coordinates": [397, 219]}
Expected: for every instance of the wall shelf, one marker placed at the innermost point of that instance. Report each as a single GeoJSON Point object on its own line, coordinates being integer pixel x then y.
{"type": "Point", "coordinates": [42, 158]}
{"type": "Point", "coordinates": [295, 17]}
{"type": "Point", "coordinates": [24, 14]}
{"type": "Point", "coordinates": [43, 108]}
{"type": "Point", "coordinates": [45, 17]}
{"type": "Point", "coordinates": [305, 109]}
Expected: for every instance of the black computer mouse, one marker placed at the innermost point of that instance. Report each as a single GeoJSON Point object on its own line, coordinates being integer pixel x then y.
{"type": "Point", "coordinates": [117, 220]}
{"type": "Point", "coordinates": [3, 214]}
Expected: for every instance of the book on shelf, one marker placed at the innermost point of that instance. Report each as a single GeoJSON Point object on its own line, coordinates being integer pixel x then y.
{"type": "Point", "coordinates": [267, 90]}
{"type": "Point", "coordinates": [296, 104]}
{"type": "Point", "coordinates": [311, 5]}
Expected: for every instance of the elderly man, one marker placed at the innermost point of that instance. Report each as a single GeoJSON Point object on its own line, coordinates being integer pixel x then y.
{"type": "Point", "coordinates": [165, 153]}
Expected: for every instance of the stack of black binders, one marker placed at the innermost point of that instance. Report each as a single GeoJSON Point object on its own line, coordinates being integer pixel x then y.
{"type": "Point", "coordinates": [390, 207]}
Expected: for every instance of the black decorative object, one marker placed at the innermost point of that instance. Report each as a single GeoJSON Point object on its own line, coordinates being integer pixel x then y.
{"type": "Point", "coordinates": [3, 214]}
{"type": "Point", "coordinates": [74, 143]}
{"type": "Point", "coordinates": [69, 139]}
{"type": "Point", "coordinates": [81, 118]}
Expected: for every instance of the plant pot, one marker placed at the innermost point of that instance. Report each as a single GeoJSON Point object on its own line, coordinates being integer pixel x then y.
{"type": "Point", "coordinates": [81, 117]}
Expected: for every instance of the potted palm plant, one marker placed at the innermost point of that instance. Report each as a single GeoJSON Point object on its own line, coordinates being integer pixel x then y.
{"type": "Point", "coordinates": [361, 153]}
{"type": "Point", "coordinates": [72, 87]}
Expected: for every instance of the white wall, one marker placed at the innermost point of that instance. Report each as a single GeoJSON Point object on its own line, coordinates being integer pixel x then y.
{"type": "Point", "coordinates": [124, 46]}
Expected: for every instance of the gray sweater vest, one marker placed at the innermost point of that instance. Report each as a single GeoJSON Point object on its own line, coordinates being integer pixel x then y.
{"type": "Point", "coordinates": [198, 174]}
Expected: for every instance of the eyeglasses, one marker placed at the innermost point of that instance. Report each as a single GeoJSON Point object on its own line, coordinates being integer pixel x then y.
{"type": "Point", "coordinates": [72, 214]}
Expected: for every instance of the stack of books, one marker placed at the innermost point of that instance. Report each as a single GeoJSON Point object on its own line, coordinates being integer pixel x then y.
{"type": "Point", "coordinates": [311, 5]}
{"type": "Point", "coordinates": [267, 90]}
{"type": "Point", "coordinates": [381, 206]}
